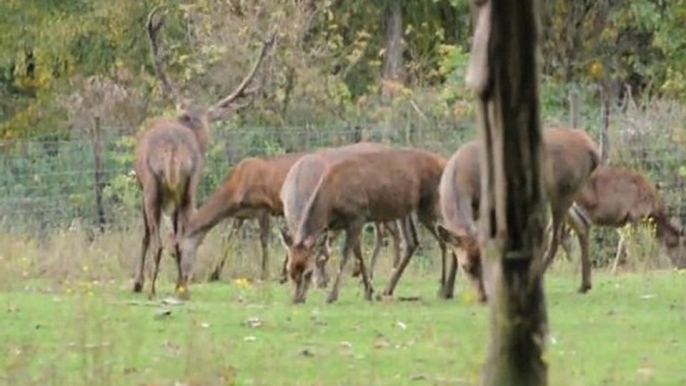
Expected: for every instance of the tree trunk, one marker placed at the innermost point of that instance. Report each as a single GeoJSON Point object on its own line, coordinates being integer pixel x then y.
{"type": "Point", "coordinates": [504, 73]}
{"type": "Point", "coordinates": [392, 77]}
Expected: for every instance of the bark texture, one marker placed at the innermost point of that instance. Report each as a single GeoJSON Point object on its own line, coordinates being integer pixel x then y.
{"type": "Point", "coordinates": [504, 74]}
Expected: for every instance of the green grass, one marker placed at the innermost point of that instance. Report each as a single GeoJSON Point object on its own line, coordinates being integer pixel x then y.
{"type": "Point", "coordinates": [630, 330]}
{"type": "Point", "coordinates": [78, 324]}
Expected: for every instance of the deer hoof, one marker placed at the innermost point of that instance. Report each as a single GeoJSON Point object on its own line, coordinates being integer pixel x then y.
{"type": "Point", "coordinates": [214, 276]}
{"type": "Point", "coordinates": [384, 297]}
{"type": "Point", "coordinates": [182, 293]}
{"type": "Point", "coordinates": [584, 288]}
{"type": "Point", "coordinates": [331, 298]}
{"type": "Point", "coordinates": [445, 295]}
{"type": "Point", "coordinates": [137, 287]}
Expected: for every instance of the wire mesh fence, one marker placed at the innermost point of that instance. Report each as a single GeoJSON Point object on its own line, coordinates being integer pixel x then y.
{"type": "Point", "coordinates": [45, 185]}
{"type": "Point", "coordinates": [48, 185]}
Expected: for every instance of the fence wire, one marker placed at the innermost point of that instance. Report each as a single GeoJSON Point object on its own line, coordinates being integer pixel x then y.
{"type": "Point", "coordinates": [49, 185]}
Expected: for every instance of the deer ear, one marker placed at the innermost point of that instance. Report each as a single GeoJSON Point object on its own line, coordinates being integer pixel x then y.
{"type": "Point", "coordinates": [285, 237]}
{"type": "Point", "coordinates": [447, 236]}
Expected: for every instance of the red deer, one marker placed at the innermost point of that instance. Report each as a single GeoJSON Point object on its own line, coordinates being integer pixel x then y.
{"type": "Point", "coordinates": [614, 197]}
{"type": "Point", "coordinates": [298, 187]}
{"type": "Point", "coordinates": [250, 190]}
{"type": "Point", "coordinates": [570, 156]}
{"type": "Point", "coordinates": [381, 186]}
{"type": "Point", "coordinates": [169, 158]}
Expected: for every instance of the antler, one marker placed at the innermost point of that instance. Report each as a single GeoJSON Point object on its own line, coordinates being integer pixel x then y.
{"type": "Point", "coordinates": [153, 26]}
{"type": "Point", "coordinates": [219, 109]}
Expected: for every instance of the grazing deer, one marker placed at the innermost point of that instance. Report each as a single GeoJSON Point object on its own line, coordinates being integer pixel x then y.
{"type": "Point", "coordinates": [249, 190]}
{"type": "Point", "coordinates": [298, 187]}
{"type": "Point", "coordinates": [614, 197]}
{"type": "Point", "coordinates": [169, 158]}
{"type": "Point", "coordinates": [380, 186]}
{"type": "Point", "coordinates": [569, 157]}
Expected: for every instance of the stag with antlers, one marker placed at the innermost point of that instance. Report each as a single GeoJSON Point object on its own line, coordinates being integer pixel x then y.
{"type": "Point", "coordinates": [170, 154]}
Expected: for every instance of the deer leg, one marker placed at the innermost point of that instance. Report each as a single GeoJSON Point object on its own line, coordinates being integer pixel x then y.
{"type": "Point", "coordinates": [366, 279]}
{"type": "Point", "coordinates": [582, 229]}
{"type": "Point", "coordinates": [284, 270]}
{"type": "Point", "coordinates": [566, 242]}
{"type": "Point", "coordinates": [449, 287]}
{"type": "Point", "coordinates": [284, 265]}
{"type": "Point", "coordinates": [409, 233]}
{"type": "Point", "coordinates": [264, 222]}
{"type": "Point", "coordinates": [430, 226]}
{"type": "Point", "coordinates": [182, 216]}
{"type": "Point", "coordinates": [152, 211]}
{"type": "Point", "coordinates": [320, 266]}
{"type": "Point", "coordinates": [216, 272]}
{"type": "Point", "coordinates": [558, 219]}
{"type": "Point", "coordinates": [356, 267]}
{"type": "Point", "coordinates": [323, 255]}
{"type": "Point", "coordinates": [140, 268]}
{"type": "Point", "coordinates": [618, 255]}
{"type": "Point", "coordinates": [378, 240]}
{"type": "Point", "coordinates": [394, 231]}
{"type": "Point", "coordinates": [352, 234]}
{"type": "Point", "coordinates": [379, 235]}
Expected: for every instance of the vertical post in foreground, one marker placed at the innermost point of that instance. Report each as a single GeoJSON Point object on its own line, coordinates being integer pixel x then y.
{"type": "Point", "coordinates": [504, 74]}
{"type": "Point", "coordinates": [99, 183]}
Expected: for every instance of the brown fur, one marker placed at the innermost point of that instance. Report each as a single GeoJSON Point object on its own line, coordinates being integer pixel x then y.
{"type": "Point", "coordinates": [383, 186]}
{"type": "Point", "coordinates": [169, 157]}
{"type": "Point", "coordinates": [298, 187]}
{"type": "Point", "coordinates": [570, 156]}
{"type": "Point", "coordinates": [614, 197]}
{"type": "Point", "coordinates": [250, 190]}
{"type": "Point", "coordinates": [168, 164]}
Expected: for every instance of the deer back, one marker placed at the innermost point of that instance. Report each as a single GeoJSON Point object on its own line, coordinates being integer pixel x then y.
{"type": "Point", "coordinates": [303, 177]}
{"type": "Point", "coordinates": [381, 186]}
{"type": "Point", "coordinates": [570, 156]}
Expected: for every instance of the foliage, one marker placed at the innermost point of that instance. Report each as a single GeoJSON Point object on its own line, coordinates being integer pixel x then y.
{"type": "Point", "coordinates": [327, 65]}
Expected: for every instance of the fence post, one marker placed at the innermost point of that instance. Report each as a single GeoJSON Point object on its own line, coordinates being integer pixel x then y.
{"type": "Point", "coordinates": [99, 183]}
{"type": "Point", "coordinates": [605, 123]}
{"type": "Point", "coordinates": [357, 134]}
{"type": "Point", "coordinates": [574, 108]}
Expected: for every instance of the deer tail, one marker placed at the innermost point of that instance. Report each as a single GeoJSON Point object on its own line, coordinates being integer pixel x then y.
{"type": "Point", "coordinates": [172, 168]}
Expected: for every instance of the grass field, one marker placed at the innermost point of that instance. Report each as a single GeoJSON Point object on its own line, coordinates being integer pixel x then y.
{"type": "Point", "coordinates": [85, 327]}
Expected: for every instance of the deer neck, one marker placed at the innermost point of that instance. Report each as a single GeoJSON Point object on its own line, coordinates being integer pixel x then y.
{"type": "Point", "coordinates": [218, 207]}
{"type": "Point", "coordinates": [315, 218]}
{"type": "Point", "coordinates": [203, 138]}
